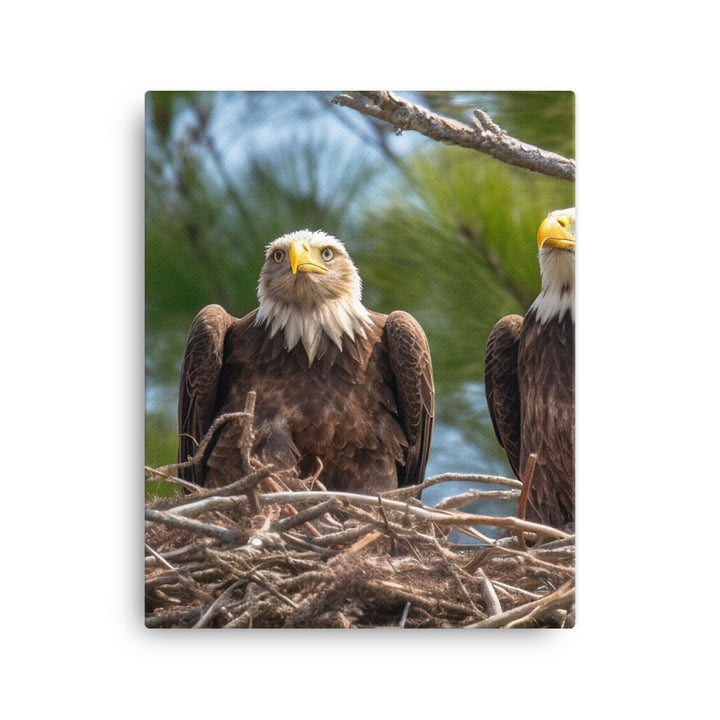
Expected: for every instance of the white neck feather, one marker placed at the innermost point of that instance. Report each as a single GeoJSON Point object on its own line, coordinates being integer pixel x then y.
{"type": "Point", "coordinates": [335, 318]}
{"type": "Point", "coordinates": [557, 296]}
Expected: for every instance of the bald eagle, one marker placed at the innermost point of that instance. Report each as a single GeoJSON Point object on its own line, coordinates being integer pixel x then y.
{"type": "Point", "coordinates": [530, 378]}
{"type": "Point", "coordinates": [334, 381]}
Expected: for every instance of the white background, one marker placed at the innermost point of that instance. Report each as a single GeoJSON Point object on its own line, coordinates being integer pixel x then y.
{"type": "Point", "coordinates": [74, 78]}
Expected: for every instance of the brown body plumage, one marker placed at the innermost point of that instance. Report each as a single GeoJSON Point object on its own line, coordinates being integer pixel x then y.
{"type": "Point", "coordinates": [530, 379]}
{"type": "Point", "coordinates": [334, 381]}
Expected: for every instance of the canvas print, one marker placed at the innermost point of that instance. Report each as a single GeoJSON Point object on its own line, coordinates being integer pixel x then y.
{"type": "Point", "coordinates": [360, 359]}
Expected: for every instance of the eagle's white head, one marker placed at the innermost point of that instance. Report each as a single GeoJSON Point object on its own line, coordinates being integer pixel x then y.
{"type": "Point", "coordinates": [309, 285]}
{"type": "Point", "coordinates": [556, 254]}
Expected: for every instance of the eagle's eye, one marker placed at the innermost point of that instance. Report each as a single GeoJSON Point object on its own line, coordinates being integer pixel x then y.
{"type": "Point", "coordinates": [326, 254]}
{"type": "Point", "coordinates": [278, 256]}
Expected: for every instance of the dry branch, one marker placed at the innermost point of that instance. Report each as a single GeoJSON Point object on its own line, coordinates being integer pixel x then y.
{"type": "Point", "coordinates": [472, 495]}
{"type": "Point", "coordinates": [415, 491]}
{"type": "Point", "coordinates": [443, 518]}
{"type": "Point", "coordinates": [562, 598]}
{"type": "Point", "coordinates": [489, 595]}
{"type": "Point", "coordinates": [181, 523]}
{"type": "Point", "coordinates": [218, 424]}
{"type": "Point", "coordinates": [484, 136]}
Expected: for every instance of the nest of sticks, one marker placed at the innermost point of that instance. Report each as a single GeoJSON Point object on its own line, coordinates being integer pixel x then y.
{"type": "Point", "coordinates": [270, 550]}
{"type": "Point", "coordinates": [239, 557]}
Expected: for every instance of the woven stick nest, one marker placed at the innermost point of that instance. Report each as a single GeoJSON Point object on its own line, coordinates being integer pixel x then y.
{"type": "Point", "coordinates": [271, 551]}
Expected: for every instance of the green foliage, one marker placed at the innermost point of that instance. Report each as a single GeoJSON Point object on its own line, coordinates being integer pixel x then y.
{"type": "Point", "coordinates": [462, 255]}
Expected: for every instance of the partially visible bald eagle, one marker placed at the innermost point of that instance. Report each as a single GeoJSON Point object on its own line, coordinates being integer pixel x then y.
{"type": "Point", "coordinates": [334, 380]}
{"type": "Point", "coordinates": [530, 378]}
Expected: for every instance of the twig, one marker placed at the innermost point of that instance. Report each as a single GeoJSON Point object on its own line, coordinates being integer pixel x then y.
{"type": "Point", "coordinates": [247, 433]}
{"type": "Point", "coordinates": [205, 619]}
{"type": "Point", "coordinates": [522, 503]}
{"type": "Point", "coordinates": [431, 603]}
{"type": "Point", "coordinates": [219, 422]}
{"type": "Point", "coordinates": [246, 442]}
{"type": "Point", "coordinates": [298, 518]}
{"type": "Point", "coordinates": [179, 575]}
{"type": "Point", "coordinates": [259, 578]}
{"type": "Point", "coordinates": [344, 536]}
{"type": "Point", "coordinates": [390, 529]}
{"type": "Point", "coordinates": [160, 558]}
{"type": "Point", "coordinates": [290, 508]}
{"type": "Point", "coordinates": [445, 518]}
{"type": "Point", "coordinates": [473, 533]}
{"type": "Point", "coordinates": [191, 551]}
{"type": "Point", "coordinates": [403, 617]}
{"type": "Point", "coordinates": [526, 482]}
{"type": "Point", "coordinates": [161, 471]}
{"type": "Point", "coordinates": [237, 487]}
{"type": "Point", "coordinates": [471, 495]}
{"type": "Point", "coordinates": [358, 545]}
{"type": "Point", "coordinates": [469, 477]}
{"type": "Point", "coordinates": [414, 491]}
{"type": "Point", "coordinates": [562, 596]}
{"type": "Point", "coordinates": [307, 545]}
{"type": "Point", "coordinates": [489, 595]}
{"type": "Point", "coordinates": [528, 555]}
{"type": "Point", "coordinates": [484, 136]}
{"type": "Point", "coordinates": [181, 616]}
{"type": "Point", "coordinates": [393, 530]}
{"type": "Point", "coordinates": [207, 504]}
{"type": "Point", "coordinates": [455, 572]}
{"type": "Point", "coordinates": [514, 589]}
{"type": "Point", "coordinates": [183, 523]}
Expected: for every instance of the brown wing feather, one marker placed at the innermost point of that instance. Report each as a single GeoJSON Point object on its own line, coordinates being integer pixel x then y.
{"type": "Point", "coordinates": [501, 385]}
{"type": "Point", "coordinates": [409, 355]}
{"type": "Point", "coordinates": [547, 383]}
{"type": "Point", "coordinates": [201, 367]}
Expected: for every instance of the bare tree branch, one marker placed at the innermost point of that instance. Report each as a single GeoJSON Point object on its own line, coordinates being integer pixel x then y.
{"type": "Point", "coordinates": [443, 518]}
{"type": "Point", "coordinates": [182, 523]}
{"type": "Point", "coordinates": [562, 598]}
{"type": "Point", "coordinates": [485, 136]}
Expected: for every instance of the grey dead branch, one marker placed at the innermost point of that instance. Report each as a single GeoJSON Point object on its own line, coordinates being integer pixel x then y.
{"type": "Point", "coordinates": [483, 135]}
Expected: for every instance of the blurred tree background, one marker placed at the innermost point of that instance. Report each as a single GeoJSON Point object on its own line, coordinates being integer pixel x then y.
{"type": "Point", "coordinates": [445, 233]}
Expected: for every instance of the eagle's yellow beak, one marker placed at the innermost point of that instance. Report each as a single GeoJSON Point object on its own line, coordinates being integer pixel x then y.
{"type": "Point", "coordinates": [557, 230]}
{"type": "Point", "coordinates": [305, 258]}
